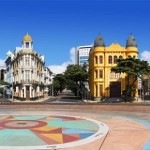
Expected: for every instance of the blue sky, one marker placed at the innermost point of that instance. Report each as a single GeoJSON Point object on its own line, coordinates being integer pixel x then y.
{"type": "Point", "coordinates": [56, 26]}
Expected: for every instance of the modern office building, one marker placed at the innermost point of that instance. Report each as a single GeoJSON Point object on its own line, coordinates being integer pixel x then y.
{"type": "Point", "coordinates": [9, 57]}
{"type": "Point", "coordinates": [103, 82]}
{"type": "Point", "coordinates": [27, 69]}
{"type": "Point", "coordinates": [82, 54]}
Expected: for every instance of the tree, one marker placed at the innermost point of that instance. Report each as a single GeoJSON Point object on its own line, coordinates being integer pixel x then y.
{"type": "Point", "coordinates": [75, 76]}
{"type": "Point", "coordinates": [1, 90]}
{"type": "Point", "coordinates": [59, 83]}
{"type": "Point", "coordinates": [5, 83]}
{"type": "Point", "coordinates": [134, 69]}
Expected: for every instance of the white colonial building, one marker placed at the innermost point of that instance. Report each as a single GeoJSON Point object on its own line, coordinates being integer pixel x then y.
{"type": "Point", "coordinates": [28, 72]}
{"type": "Point", "coordinates": [48, 75]}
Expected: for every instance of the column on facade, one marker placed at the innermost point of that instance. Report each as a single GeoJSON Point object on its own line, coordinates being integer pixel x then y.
{"type": "Point", "coordinates": [17, 91]}
{"type": "Point", "coordinates": [23, 92]}
{"type": "Point", "coordinates": [30, 62]}
{"type": "Point", "coordinates": [31, 94]}
{"type": "Point", "coordinates": [96, 90]}
{"type": "Point", "coordinates": [23, 67]}
{"type": "Point", "coordinates": [34, 70]}
{"type": "Point", "coordinates": [21, 71]}
{"type": "Point", "coordinates": [106, 82]}
{"type": "Point", "coordinates": [22, 95]}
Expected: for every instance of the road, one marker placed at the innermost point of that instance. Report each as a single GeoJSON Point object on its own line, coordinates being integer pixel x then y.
{"type": "Point", "coordinates": [65, 97]}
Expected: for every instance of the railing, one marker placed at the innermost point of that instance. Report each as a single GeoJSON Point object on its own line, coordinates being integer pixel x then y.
{"type": "Point", "coordinates": [26, 81]}
{"type": "Point", "coordinates": [29, 82]}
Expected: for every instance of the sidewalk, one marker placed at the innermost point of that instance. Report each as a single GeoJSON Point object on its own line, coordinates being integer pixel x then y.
{"type": "Point", "coordinates": [35, 101]}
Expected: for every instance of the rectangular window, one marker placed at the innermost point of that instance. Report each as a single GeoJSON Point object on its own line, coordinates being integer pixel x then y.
{"type": "Point", "coordinates": [27, 61]}
{"type": "Point", "coordinates": [83, 57]}
{"type": "Point", "coordinates": [82, 61]}
{"type": "Point", "coordinates": [27, 44]}
{"type": "Point", "coordinates": [27, 75]}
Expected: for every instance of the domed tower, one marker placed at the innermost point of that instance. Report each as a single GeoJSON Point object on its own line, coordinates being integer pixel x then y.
{"type": "Point", "coordinates": [131, 47]}
{"type": "Point", "coordinates": [27, 42]}
{"type": "Point", "coordinates": [132, 51]}
{"type": "Point", "coordinates": [99, 42]}
{"type": "Point", "coordinates": [96, 69]}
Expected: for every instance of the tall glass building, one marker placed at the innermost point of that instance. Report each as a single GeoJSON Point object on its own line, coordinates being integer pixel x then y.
{"type": "Point", "coordinates": [82, 54]}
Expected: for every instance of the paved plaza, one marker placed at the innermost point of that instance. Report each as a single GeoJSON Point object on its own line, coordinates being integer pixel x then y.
{"type": "Point", "coordinates": [45, 127]}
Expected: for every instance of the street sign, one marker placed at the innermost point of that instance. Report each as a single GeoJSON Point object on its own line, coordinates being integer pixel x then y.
{"type": "Point", "coordinates": [139, 83]}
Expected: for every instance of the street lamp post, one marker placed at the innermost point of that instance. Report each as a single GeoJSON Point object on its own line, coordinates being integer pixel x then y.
{"type": "Point", "coordinates": [52, 88]}
{"type": "Point", "coordinates": [143, 94]}
{"type": "Point", "coordinates": [12, 88]}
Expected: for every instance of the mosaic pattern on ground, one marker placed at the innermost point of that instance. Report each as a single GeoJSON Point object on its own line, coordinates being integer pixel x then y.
{"type": "Point", "coordinates": [48, 131]}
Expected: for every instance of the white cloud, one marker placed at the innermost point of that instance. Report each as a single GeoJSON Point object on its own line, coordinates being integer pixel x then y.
{"type": "Point", "coordinates": [2, 64]}
{"type": "Point", "coordinates": [72, 55]}
{"type": "Point", "coordinates": [61, 68]}
{"type": "Point", "coordinates": [145, 55]}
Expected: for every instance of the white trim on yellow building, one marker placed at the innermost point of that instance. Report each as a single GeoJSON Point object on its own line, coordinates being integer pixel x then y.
{"type": "Point", "coordinates": [103, 82]}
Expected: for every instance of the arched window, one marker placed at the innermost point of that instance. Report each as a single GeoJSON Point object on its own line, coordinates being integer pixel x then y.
{"type": "Point", "coordinates": [101, 89]}
{"type": "Point", "coordinates": [100, 59]}
{"type": "Point", "coordinates": [115, 59]}
{"type": "Point", "coordinates": [96, 60]}
{"type": "Point", "coordinates": [110, 59]}
{"type": "Point", "coordinates": [96, 90]}
{"type": "Point", "coordinates": [100, 73]}
{"type": "Point", "coordinates": [27, 44]}
{"type": "Point", "coordinates": [120, 57]}
{"type": "Point", "coordinates": [96, 74]}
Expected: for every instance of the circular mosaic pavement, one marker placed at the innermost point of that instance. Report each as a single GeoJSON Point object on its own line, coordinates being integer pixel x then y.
{"type": "Point", "coordinates": [48, 131]}
{"type": "Point", "coordinates": [23, 124]}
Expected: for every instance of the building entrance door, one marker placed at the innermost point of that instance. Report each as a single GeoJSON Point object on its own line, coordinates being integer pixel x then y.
{"type": "Point", "coordinates": [115, 89]}
{"type": "Point", "coordinates": [27, 93]}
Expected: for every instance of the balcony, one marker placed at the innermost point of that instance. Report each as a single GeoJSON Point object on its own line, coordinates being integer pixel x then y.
{"type": "Point", "coordinates": [26, 81]}
{"type": "Point", "coordinates": [24, 67]}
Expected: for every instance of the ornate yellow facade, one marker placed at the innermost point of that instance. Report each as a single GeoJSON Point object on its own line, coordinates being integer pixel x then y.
{"type": "Point", "coordinates": [103, 82]}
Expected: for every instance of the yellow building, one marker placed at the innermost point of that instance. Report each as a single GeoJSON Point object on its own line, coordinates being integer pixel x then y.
{"type": "Point", "coordinates": [103, 82]}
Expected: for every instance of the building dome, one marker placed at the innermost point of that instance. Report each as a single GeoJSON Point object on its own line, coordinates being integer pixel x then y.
{"type": "Point", "coordinates": [131, 42]}
{"type": "Point", "coordinates": [99, 42]}
{"type": "Point", "coordinates": [27, 37]}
